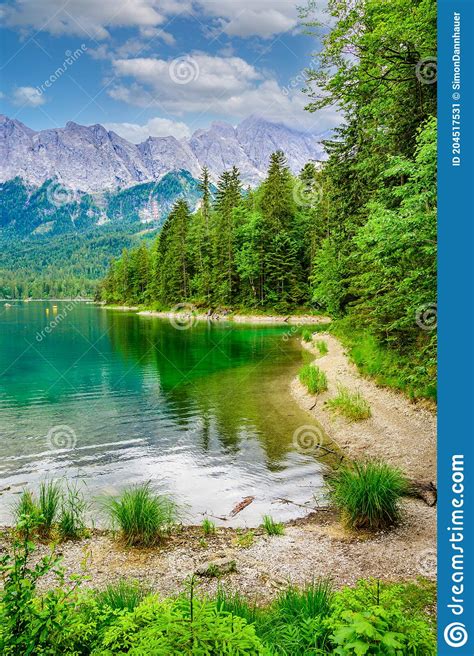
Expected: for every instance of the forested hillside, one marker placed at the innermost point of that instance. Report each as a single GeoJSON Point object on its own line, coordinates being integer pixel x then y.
{"type": "Point", "coordinates": [356, 238]}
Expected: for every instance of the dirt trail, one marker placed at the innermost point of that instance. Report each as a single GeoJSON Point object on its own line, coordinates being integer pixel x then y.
{"type": "Point", "coordinates": [399, 431]}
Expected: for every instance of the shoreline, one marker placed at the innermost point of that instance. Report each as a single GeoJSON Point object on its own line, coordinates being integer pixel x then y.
{"type": "Point", "coordinates": [194, 315]}
{"type": "Point", "coordinates": [316, 545]}
{"type": "Point", "coordinates": [401, 432]}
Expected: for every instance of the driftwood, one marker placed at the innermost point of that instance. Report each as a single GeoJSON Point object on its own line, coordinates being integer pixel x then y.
{"type": "Point", "coordinates": [240, 506]}
{"type": "Point", "coordinates": [426, 491]}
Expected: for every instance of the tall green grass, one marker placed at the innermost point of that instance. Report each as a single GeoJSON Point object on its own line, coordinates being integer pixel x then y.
{"type": "Point", "coordinates": [322, 346]}
{"type": "Point", "coordinates": [313, 378]}
{"type": "Point", "coordinates": [123, 595]}
{"type": "Point", "coordinates": [208, 526]}
{"type": "Point", "coordinates": [307, 335]}
{"type": "Point", "coordinates": [312, 600]}
{"type": "Point", "coordinates": [351, 405]}
{"type": "Point", "coordinates": [72, 522]}
{"type": "Point", "coordinates": [367, 493]}
{"type": "Point", "coordinates": [50, 495]}
{"type": "Point", "coordinates": [143, 517]}
{"type": "Point", "coordinates": [272, 527]}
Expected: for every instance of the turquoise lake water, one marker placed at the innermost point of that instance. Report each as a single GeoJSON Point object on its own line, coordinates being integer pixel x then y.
{"type": "Point", "coordinates": [109, 398]}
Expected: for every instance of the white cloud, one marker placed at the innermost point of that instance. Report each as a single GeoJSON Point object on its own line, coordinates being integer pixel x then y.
{"type": "Point", "coordinates": [189, 83]}
{"type": "Point", "coordinates": [241, 18]}
{"type": "Point", "coordinates": [91, 17]}
{"type": "Point", "coordinates": [246, 18]}
{"type": "Point", "coordinates": [27, 96]}
{"type": "Point", "coordinates": [227, 87]}
{"type": "Point", "coordinates": [155, 127]}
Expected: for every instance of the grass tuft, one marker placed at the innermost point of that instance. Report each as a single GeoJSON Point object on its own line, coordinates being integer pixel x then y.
{"type": "Point", "coordinates": [123, 595]}
{"type": "Point", "coordinates": [144, 517]}
{"type": "Point", "coordinates": [272, 527]}
{"type": "Point", "coordinates": [367, 493]}
{"type": "Point", "coordinates": [351, 405]}
{"type": "Point", "coordinates": [307, 335]}
{"type": "Point", "coordinates": [322, 346]}
{"type": "Point", "coordinates": [72, 523]}
{"type": "Point", "coordinates": [311, 601]}
{"type": "Point", "coordinates": [50, 496]}
{"type": "Point", "coordinates": [313, 378]}
{"type": "Point", "coordinates": [208, 526]}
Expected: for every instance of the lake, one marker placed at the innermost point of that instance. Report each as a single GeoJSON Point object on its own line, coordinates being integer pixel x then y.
{"type": "Point", "coordinates": [111, 398]}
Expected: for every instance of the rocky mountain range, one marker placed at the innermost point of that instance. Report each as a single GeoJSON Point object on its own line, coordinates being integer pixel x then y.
{"type": "Point", "coordinates": [92, 159]}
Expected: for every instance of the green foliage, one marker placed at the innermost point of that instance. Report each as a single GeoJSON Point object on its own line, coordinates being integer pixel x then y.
{"type": "Point", "coordinates": [307, 335]}
{"type": "Point", "coordinates": [71, 522]}
{"type": "Point", "coordinates": [312, 600]}
{"type": "Point", "coordinates": [244, 539]}
{"type": "Point", "coordinates": [271, 526]}
{"type": "Point", "coordinates": [371, 618]}
{"type": "Point", "coordinates": [58, 510]}
{"type": "Point", "coordinates": [27, 506]}
{"type": "Point", "coordinates": [367, 493]}
{"type": "Point", "coordinates": [50, 495]}
{"type": "Point", "coordinates": [351, 405]}
{"type": "Point", "coordinates": [313, 378]}
{"type": "Point", "coordinates": [208, 526]}
{"type": "Point", "coordinates": [181, 626]}
{"type": "Point", "coordinates": [413, 372]}
{"type": "Point", "coordinates": [143, 517]}
{"type": "Point", "coordinates": [322, 346]}
{"type": "Point", "coordinates": [123, 595]}
{"type": "Point", "coordinates": [30, 624]}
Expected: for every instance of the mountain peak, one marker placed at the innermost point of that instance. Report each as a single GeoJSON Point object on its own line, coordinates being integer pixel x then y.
{"type": "Point", "coordinates": [91, 159]}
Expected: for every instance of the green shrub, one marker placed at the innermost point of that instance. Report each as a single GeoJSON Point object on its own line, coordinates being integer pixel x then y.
{"type": "Point", "coordinates": [272, 527]}
{"type": "Point", "coordinates": [123, 595]}
{"type": "Point", "coordinates": [351, 405]}
{"type": "Point", "coordinates": [367, 493]}
{"type": "Point", "coordinates": [30, 624]}
{"type": "Point", "coordinates": [208, 526]}
{"type": "Point", "coordinates": [71, 522]}
{"type": "Point", "coordinates": [313, 600]}
{"type": "Point", "coordinates": [371, 619]}
{"type": "Point", "coordinates": [144, 517]}
{"type": "Point", "coordinates": [181, 626]}
{"type": "Point", "coordinates": [27, 506]}
{"type": "Point", "coordinates": [307, 335]}
{"type": "Point", "coordinates": [50, 495]}
{"type": "Point", "coordinates": [313, 378]}
{"type": "Point", "coordinates": [233, 602]}
{"type": "Point", "coordinates": [322, 346]}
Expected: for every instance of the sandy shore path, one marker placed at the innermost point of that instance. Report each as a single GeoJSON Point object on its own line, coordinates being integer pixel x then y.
{"type": "Point", "coordinates": [399, 431]}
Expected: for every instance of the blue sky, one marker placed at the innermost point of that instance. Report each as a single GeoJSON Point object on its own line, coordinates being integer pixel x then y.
{"type": "Point", "coordinates": [155, 67]}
